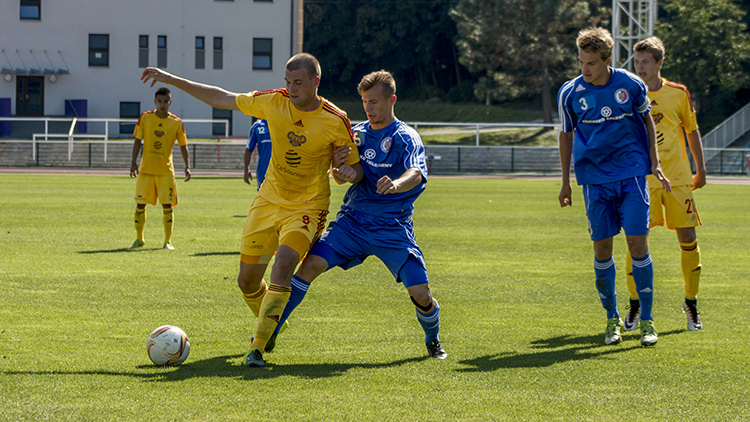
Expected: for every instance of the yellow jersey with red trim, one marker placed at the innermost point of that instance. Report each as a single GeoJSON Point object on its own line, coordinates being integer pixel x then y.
{"type": "Point", "coordinates": [159, 136]}
{"type": "Point", "coordinates": [672, 110]}
{"type": "Point", "coordinates": [303, 143]}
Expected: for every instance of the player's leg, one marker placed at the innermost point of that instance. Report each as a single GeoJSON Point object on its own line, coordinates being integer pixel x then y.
{"type": "Point", "coordinates": [414, 277]}
{"type": "Point", "coordinates": [690, 260]}
{"type": "Point", "coordinates": [683, 217]}
{"type": "Point", "coordinates": [600, 202]}
{"type": "Point", "coordinates": [312, 266]}
{"type": "Point", "coordinates": [294, 242]}
{"type": "Point", "coordinates": [634, 211]}
{"type": "Point", "coordinates": [145, 193]}
{"type": "Point", "coordinates": [167, 188]}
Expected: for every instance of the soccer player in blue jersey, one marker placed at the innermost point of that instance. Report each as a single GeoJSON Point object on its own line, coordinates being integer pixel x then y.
{"type": "Point", "coordinates": [375, 218]}
{"type": "Point", "coordinates": [607, 128]}
{"type": "Point", "coordinates": [259, 137]}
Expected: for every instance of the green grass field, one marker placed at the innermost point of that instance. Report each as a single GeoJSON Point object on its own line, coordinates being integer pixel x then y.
{"type": "Point", "coordinates": [513, 272]}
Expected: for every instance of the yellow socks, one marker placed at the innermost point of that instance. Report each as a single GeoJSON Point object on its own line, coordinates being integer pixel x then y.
{"type": "Point", "coordinates": [690, 260]}
{"type": "Point", "coordinates": [168, 219]}
{"type": "Point", "coordinates": [270, 312]}
{"type": "Point", "coordinates": [629, 271]}
{"type": "Point", "coordinates": [140, 222]}
{"type": "Point", "coordinates": [254, 300]}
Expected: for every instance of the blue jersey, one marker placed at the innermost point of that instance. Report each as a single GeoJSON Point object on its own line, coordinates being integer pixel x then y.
{"type": "Point", "coordinates": [610, 140]}
{"type": "Point", "coordinates": [260, 137]}
{"type": "Point", "coordinates": [386, 152]}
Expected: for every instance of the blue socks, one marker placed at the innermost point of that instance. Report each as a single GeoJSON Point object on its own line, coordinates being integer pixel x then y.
{"type": "Point", "coordinates": [605, 272]}
{"type": "Point", "coordinates": [299, 290]}
{"type": "Point", "coordinates": [430, 323]}
{"type": "Point", "coordinates": [643, 276]}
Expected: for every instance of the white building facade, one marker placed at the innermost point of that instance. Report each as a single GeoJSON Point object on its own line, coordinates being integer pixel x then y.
{"type": "Point", "coordinates": [85, 57]}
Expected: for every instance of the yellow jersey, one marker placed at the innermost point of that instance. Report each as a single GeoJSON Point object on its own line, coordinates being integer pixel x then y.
{"type": "Point", "coordinates": [159, 136]}
{"type": "Point", "coordinates": [303, 143]}
{"type": "Point", "coordinates": [672, 110]}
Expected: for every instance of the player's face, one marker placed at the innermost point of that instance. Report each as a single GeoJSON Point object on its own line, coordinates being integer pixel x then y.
{"type": "Point", "coordinates": [594, 70]}
{"type": "Point", "coordinates": [378, 107]}
{"type": "Point", "coordinates": [303, 89]}
{"type": "Point", "coordinates": [646, 66]}
{"type": "Point", "coordinates": [162, 103]}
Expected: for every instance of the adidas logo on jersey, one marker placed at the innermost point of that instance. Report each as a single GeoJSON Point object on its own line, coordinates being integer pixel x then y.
{"type": "Point", "coordinates": [299, 123]}
{"type": "Point", "coordinates": [580, 88]}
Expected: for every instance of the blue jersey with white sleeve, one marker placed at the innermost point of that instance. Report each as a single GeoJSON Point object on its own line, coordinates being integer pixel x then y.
{"type": "Point", "coordinates": [386, 152]}
{"type": "Point", "coordinates": [260, 137]}
{"type": "Point", "coordinates": [610, 140]}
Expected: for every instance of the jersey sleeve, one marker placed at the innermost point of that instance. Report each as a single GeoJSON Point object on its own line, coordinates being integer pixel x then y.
{"type": "Point", "coordinates": [181, 135]}
{"type": "Point", "coordinates": [255, 103]}
{"type": "Point", "coordinates": [252, 139]}
{"type": "Point", "coordinates": [642, 103]}
{"type": "Point", "coordinates": [138, 131]}
{"type": "Point", "coordinates": [565, 112]}
{"type": "Point", "coordinates": [414, 154]}
{"type": "Point", "coordinates": [346, 137]}
{"type": "Point", "coordinates": [689, 121]}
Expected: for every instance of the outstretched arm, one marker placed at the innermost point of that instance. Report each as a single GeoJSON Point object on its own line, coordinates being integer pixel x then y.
{"type": "Point", "coordinates": [212, 95]}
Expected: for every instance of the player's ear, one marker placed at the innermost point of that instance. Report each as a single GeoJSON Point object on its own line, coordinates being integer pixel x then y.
{"type": "Point", "coordinates": [393, 99]}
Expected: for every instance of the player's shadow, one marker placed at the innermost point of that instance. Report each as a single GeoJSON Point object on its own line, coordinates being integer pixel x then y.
{"type": "Point", "coordinates": [120, 250]}
{"type": "Point", "coordinates": [216, 253]}
{"type": "Point", "coordinates": [229, 366]}
{"type": "Point", "coordinates": [555, 350]}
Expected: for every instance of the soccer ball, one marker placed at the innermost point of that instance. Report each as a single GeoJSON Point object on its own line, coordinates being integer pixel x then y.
{"type": "Point", "coordinates": [168, 346]}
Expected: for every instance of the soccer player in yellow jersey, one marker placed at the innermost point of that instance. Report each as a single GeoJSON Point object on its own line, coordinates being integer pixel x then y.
{"type": "Point", "coordinates": [159, 130]}
{"type": "Point", "coordinates": [290, 210]}
{"type": "Point", "coordinates": [674, 116]}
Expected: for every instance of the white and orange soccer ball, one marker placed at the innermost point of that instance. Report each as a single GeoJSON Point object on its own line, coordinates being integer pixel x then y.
{"type": "Point", "coordinates": [168, 346]}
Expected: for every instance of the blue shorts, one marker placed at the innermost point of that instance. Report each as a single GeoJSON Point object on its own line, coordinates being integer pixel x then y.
{"type": "Point", "coordinates": [614, 205]}
{"type": "Point", "coordinates": [354, 236]}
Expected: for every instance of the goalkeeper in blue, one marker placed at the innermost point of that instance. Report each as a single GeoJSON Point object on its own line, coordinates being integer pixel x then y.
{"type": "Point", "coordinates": [375, 218]}
{"type": "Point", "coordinates": [607, 128]}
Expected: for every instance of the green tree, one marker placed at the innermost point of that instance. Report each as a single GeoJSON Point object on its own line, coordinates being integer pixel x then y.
{"type": "Point", "coordinates": [708, 50]}
{"type": "Point", "coordinates": [521, 48]}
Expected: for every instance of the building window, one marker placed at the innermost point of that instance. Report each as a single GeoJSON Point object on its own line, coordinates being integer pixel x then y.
{"type": "Point", "coordinates": [143, 51]}
{"type": "Point", "coordinates": [200, 52]}
{"type": "Point", "coordinates": [218, 53]}
{"type": "Point", "coordinates": [161, 51]}
{"type": "Point", "coordinates": [129, 110]}
{"type": "Point", "coordinates": [31, 9]}
{"type": "Point", "coordinates": [98, 50]}
{"type": "Point", "coordinates": [262, 48]}
{"type": "Point", "coordinates": [218, 128]}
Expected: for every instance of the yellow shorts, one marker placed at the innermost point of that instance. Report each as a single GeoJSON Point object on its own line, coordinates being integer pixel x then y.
{"type": "Point", "coordinates": [678, 206]}
{"type": "Point", "coordinates": [268, 226]}
{"type": "Point", "coordinates": [150, 186]}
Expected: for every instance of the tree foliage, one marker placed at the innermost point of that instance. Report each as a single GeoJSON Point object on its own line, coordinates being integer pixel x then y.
{"type": "Point", "coordinates": [521, 48]}
{"type": "Point", "coordinates": [708, 50]}
{"type": "Point", "coordinates": [414, 39]}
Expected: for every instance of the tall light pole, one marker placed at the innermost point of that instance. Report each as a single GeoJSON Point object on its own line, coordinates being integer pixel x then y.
{"type": "Point", "coordinates": [632, 21]}
{"type": "Point", "coordinates": [300, 25]}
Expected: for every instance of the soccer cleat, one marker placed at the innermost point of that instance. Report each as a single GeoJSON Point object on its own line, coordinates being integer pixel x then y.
{"type": "Point", "coordinates": [634, 314]}
{"type": "Point", "coordinates": [648, 333]}
{"type": "Point", "coordinates": [435, 350]}
{"type": "Point", "coordinates": [254, 358]}
{"type": "Point", "coordinates": [693, 318]}
{"type": "Point", "coordinates": [137, 244]}
{"type": "Point", "coordinates": [168, 245]}
{"type": "Point", "coordinates": [612, 334]}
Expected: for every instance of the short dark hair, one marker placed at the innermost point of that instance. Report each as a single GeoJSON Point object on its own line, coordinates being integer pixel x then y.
{"type": "Point", "coordinates": [304, 61]}
{"type": "Point", "coordinates": [381, 77]}
{"type": "Point", "coordinates": [163, 91]}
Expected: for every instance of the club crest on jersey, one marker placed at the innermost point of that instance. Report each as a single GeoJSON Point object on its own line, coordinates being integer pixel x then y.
{"type": "Point", "coordinates": [385, 145]}
{"type": "Point", "coordinates": [158, 133]}
{"type": "Point", "coordinates": [296, 140]}
{"type": "Point", "coordinates": [370, 153]}
{"type": "Point", "coordinates": [606, 111]}
{"type": "Point", "coordinates": [621, 96]}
